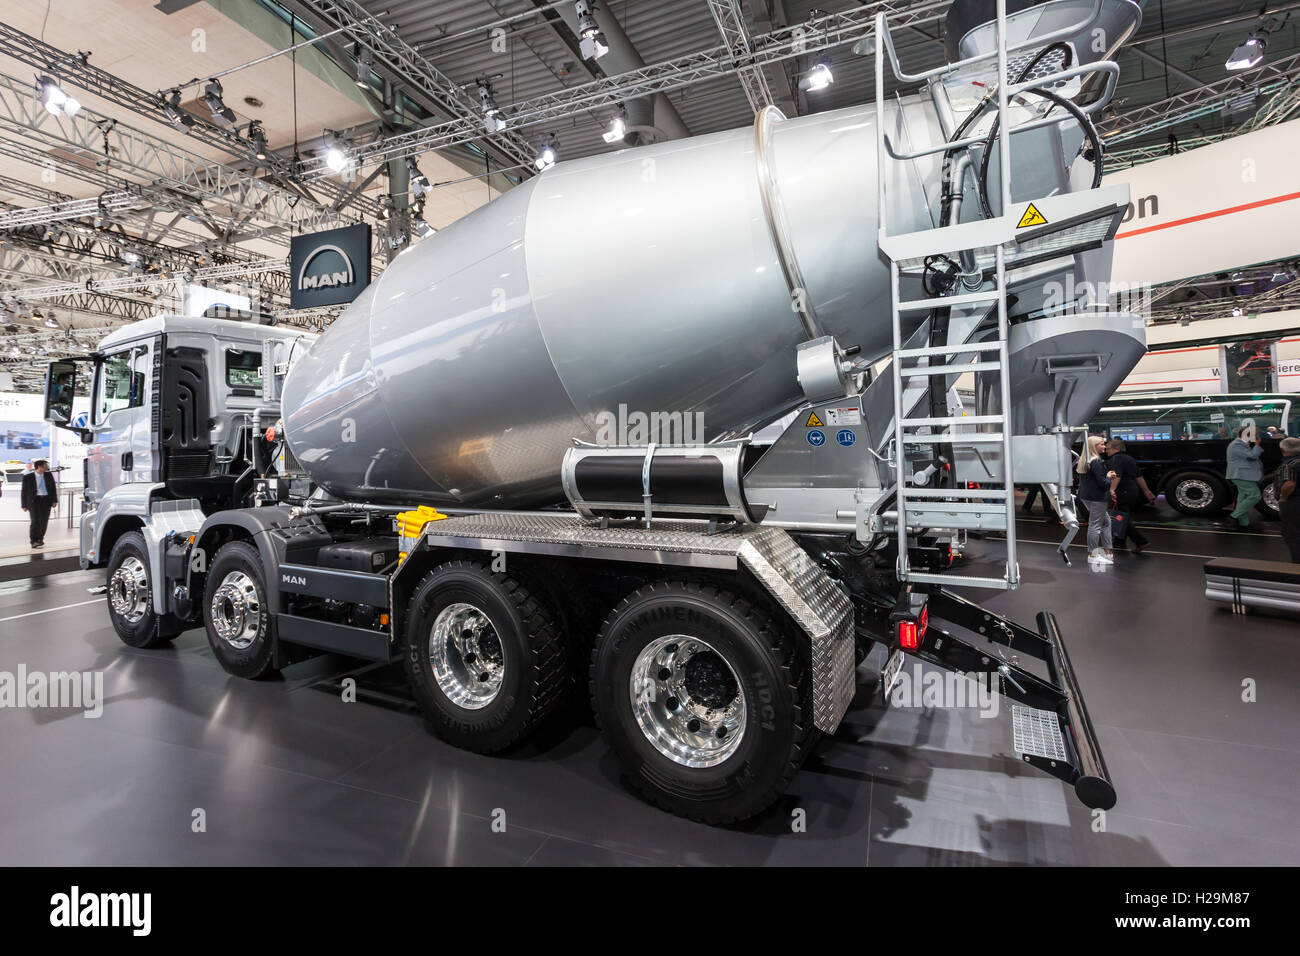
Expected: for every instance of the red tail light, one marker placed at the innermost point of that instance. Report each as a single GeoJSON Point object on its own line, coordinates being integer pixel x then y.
{"type": "Point", "coordinates": [910, 633]}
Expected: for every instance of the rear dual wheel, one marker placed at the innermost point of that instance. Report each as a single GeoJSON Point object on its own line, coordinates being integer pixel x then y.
{"type": "Point", "coordinates": [704, 698]}
{"type": "Point", "coordinates": [484, 656]}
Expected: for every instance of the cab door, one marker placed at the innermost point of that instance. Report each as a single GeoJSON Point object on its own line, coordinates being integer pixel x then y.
{"type": "Point", "coordinates": [118, 409]}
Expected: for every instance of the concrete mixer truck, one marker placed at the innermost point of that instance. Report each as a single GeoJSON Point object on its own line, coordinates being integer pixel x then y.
{"type": "Point", "coordinates": [522, 464]}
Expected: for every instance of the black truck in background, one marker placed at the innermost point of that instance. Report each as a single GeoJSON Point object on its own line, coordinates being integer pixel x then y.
{"type": "Point", "coordinates": [1181, 443]}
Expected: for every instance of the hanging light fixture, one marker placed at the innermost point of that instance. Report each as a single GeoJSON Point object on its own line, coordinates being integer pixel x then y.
{"type": "Point", "coordinates": [617, 130]}
{"type": "Point", "coordinates": [818, 78]}
{"type": "Point", "coordinates": [56, 101]}
{"type": "Point", "coordinates": [222, 115]}
{"type": "Point", "coordinates": [546, 154]}
{"type": "Point", "coordinates": [257, 139]}
{"type": "Point", "coordinates": [592, 43]}
{"type": "Point", "coordinates": [171, 106]}
{"type": "Point", "coordinates": [493, 119]}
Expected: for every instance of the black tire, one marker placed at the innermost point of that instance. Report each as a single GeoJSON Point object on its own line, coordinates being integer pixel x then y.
{"type": "Point", "coordinates": [764, 662]}
{"type": "Point", "coordinates": [150, 630]}
{"type": "Point", "coordinates": [223, 594]}
{"type": "Point", "coordinates": [1197, 494]}
{"type": "Point", "coordinates": [523, 647]}
{"type": "Point", "coordinates": [1268, 500]}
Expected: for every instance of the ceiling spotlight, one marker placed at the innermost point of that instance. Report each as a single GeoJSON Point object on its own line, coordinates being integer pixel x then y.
{"type": "Point", "coordinates": [493, 120]}
{"type": "Point", "coordinates": [364, 61]}
{"type": "Point", "coordinates": [257, 139]}
{"type": "Point", "coordinates": [592, 45]}
{"type": "Point", "coordinates": [423, 229]}
{"type": "Point", "coordinates": [386, 207]}
{"type": "Point", "coordinates": [546, 155]}
{"type": "Point", "coordinates": [222, 115]}
{"type": "Point", "coordinates": [1238, 312]}
{"type": "Point", "coordinates": [419, 183]}
{"type": "Point", "coordinates": [1249, 53]}
{"type": "Point", "coordinates": [56, 101]}
{"type": "Point", "coordinates": [171, 106]}
{"type": "Point", "coordinates": [617, 130]}
{"type": "Point", "coordinates": [131, 258]}
{"type": "Point", "coordinates": [818, 78]}
{"type": "Point", "coordinates": [336, 157]}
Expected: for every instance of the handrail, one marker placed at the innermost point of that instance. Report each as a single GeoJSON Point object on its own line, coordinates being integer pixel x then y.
{"type": "Point", "coordinates": [992, 54]}
{"type": "Point", "coordinates": [1109, 67]}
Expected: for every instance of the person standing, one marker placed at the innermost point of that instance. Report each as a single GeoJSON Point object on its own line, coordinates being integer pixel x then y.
{"type": "Point", "coordinates": [1096, 490]}
{"type": "Point", "coordinates": [1244, 471]}
{"type": "Point", "coordinates": [1288, 474]}
{"type": "Point", "coordinates": [40, 494]}
{"type": "Point", "coordinates": [1130, 488]}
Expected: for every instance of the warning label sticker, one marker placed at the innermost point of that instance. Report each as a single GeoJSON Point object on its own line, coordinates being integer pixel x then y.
{"type": "Point", "coordinates": [1032, 217]}
{"type": "Point", "coordinates": [849, 415]}
{"type": "Point", "coordinates": [813, 421]}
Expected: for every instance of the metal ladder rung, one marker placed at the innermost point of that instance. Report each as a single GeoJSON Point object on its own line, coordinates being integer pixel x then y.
{"type": "Point", "coordinates": [928, 494]}
{"type": "Point", "coordinates": [949, 349]}
{"type": "Point", "coordinates": [933, 505]}
{"type": "Point", "coordinates": [957, 580]}
{"type": "Point", "coordinates": [948, 301]}
{"type": "Point", "coordinates": [947, 438]}
{"type": "Point", "coordinates": [950, 369]}
{"type": "Point", "coordinates": [942, 422]}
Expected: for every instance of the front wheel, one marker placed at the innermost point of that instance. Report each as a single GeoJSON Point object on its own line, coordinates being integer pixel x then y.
{"type": "Point", "coordinates": [1197, 494]}
{"type": "Point", "coordinates": [130, 596]}
{"type": "Point", "coordinates": [704, 698]}
{"type": "Point", "coordinates": [237, 614]}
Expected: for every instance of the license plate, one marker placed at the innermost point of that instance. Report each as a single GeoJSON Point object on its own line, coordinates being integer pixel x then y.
{"type": "Point", "coordinates": [890, 675]}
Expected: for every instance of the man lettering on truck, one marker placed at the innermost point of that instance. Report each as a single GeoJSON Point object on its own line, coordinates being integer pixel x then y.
{"type": "Point", "coordinates": [1288, 474]}
{"type": "Point", "coordinates": [1244, 471]}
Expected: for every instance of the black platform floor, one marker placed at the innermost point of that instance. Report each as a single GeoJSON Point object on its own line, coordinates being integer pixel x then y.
{"type": "Point", "coordinates": [285, 772]}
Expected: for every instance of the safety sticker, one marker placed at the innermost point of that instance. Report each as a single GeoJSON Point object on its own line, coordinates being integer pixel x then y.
{"type": "Point", "coordinates": [849, 415]}
{"type": "Point", "coordinates": [845, 437]}
{"type": "Point", "coordinates": [813, 421]}
{"type": "Point", "coordinates": [1032, 217]}
{"type": "Point", "coordinates": [816, 438]}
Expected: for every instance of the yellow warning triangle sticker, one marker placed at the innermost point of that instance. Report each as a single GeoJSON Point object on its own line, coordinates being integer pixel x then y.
{"type": "Point", "coordinates": [813, 421]}
{"type": "Point", "coordinates": [1032, 217]}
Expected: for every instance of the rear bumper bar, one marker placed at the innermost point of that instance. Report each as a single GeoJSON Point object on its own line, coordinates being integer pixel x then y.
{"type": "Point", "coordinates": [1084, 767]}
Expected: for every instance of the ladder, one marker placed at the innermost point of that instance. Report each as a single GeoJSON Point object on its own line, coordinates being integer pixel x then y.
{"type": "Point", "coordinates": [985, 509]}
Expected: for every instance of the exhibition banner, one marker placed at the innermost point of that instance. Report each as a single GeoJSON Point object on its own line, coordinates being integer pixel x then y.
{"type": "Point", "coordinates": [1211, 209]}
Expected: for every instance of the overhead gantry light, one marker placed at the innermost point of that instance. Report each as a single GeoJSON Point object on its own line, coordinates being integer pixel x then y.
{"type": "Point", "coordinates": [617, 130]}
{"type": "Point", "coordinates": [818, 78]}
{"type": "Point", "coordinates": [419, 183]}
{"type": "Point", "coordinates": [363, 62]}
{"type": "Point", "coordinates": [546, 154]}
{"type": "Point", "coordinates": [171, 105]}
{"type": "Point", "coordinates": [56, 101]}
{"type": "Point", "coordinates": [222, 115]}
{"type": "Point", "coordinates": [257, 139]}
{"type": "Point", "coordinates": [336, 153]}
{"type": "Point", "coordinates": [1249, 53]}
{"type": "Point", "coordinates": [493, 119]}
{"type": "Point", "coordinates": [592, 42]}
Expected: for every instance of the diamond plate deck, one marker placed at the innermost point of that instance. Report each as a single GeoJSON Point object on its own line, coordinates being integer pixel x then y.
{"type": "Point", "coordinates": [816, 604]}
{"type": "Point", "coordinates": [1037, 733]}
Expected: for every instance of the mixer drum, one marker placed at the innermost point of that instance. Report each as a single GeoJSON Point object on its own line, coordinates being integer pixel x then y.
{"type": "Point", "coordinates": [645, 280]}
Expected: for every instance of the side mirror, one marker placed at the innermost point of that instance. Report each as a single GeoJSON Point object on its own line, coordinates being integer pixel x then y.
{"type": "Point", "coordinates": [60, 387]}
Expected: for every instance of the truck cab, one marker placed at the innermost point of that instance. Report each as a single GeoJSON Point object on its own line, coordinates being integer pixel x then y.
{"type": "Point", "coordinates": [178, 406]}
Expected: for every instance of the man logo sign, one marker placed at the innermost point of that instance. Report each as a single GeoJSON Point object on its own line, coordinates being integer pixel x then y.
{"type": "Point", "coordinates": [318, 278]}
{"type": "Point", "coordinates": [329, 267]}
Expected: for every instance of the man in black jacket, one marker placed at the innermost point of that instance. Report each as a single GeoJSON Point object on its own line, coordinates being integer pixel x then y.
{"type": "Point", "coordinates": [1132, 487]}
{"type": "Point", "coordinates": [40, 494]}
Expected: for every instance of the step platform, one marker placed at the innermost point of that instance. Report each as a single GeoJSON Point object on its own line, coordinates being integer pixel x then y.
{"type": "Point", "coordinates": [1243, 583]}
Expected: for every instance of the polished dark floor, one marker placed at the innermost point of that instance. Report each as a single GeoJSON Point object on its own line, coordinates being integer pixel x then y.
{"type": "Point", "coordinates": [286, 772]}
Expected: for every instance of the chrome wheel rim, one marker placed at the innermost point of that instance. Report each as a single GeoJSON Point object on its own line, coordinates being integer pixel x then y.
{"type": "Point", "coordinates": [687, 701]}
{"type": "Point", "coordinates": [1194, 493]}
{"type": "Point", "coordinates": [237, 610]}
{"type": "Point", "coordinates": [128, 590]}
{"type": "Point", "coordinates": [1269, 497]}
{"type": "Point", "coordinates": [466, 656]}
